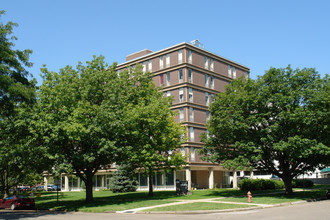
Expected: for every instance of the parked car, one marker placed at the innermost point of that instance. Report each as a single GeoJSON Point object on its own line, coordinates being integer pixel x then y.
{"type": "Point", "coordinates": [328, 194]}
{"type": "Point", "coordinates": [38, 188]}
{"type": "Point", "coordinates": [53, 187]}
{"type": "Point", "coordinates": [23, 188]}
{"type": "Point", "coordinates": [17, 202]}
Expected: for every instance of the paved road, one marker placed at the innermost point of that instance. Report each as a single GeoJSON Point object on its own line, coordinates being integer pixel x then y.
{"type": "Point", "coordinates": [302, 211]}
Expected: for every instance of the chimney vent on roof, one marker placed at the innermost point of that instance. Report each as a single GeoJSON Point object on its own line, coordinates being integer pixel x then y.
{"type": "Point", "coordinates": [197, 44]}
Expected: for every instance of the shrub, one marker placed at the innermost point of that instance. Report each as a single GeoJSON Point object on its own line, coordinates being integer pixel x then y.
{"type": "Point", "coordinates": [302, 183]}
{"type": "Point", "coordinates": [260, 184]}
{"type": "Point", "coordinates": [124, 180]}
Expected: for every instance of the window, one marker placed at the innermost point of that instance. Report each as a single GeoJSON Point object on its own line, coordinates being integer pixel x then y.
{"type": "Point", "coordinates": [206, 63]}
{"type": "Point", "coordinates": [144, 67]}
{"type": "Point", "coordinates": [207, 98]}
{"type": "Point", "coordinates": [206, 80]}
{"type": "Point", "coordinates": [167, 60]}
{"type": "Point", "coordinates": [192, 135]}
{"type": "Point", "coordinates": [229, 71]}
{"type": "Point", "coordinates": [191, 114]}
{"type": "Point", "coordinates": [212, 82]}
{"type": "Point", "coordinates": [207, 116]}
{"type": "Point", "coordinates": [180, 56]}
{"type": "Point", "coordinates": [150, 65]}
{"type": "Point", "coordinates": [168, 79]}
{"type": "Point", "coordinates": [181, 115]}
{"type": "Point", "coordinates": [190, 95]}
{"type": "Point", "coordinates": [211, 64]}
{"type": "Point", "coordinates": [161, 79]}
{"type": "Point", "coordinates": [189, 56]}
{"type": "Point", "coordinates": [161, 62]}
{"type": "Point", "coordinates": [181, 94]}
{"type": "Point", "coordinates": [190, 76]}
{"type": "Point", "coordinates": [183, 152]}
{"type": "Point", "coordinates": [212, 98]}
{"type": "Point", "coordinates": [180, 76]}
{"type": "Point", "coordinates": [234, 72]}
{"type": "Point", "coordinates": [246, 75]}
{"type": "Point", "coordinates": [192, 154]}
{"type": "Point", "coordinates": [168, 93]}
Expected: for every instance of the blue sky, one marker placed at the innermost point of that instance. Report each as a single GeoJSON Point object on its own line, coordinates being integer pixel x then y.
{"type": "Point", "coordinates": [256, 33]}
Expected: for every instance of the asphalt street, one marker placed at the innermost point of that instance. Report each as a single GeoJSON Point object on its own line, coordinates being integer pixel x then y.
{"type": "Point", "coordinates": [309, 210]}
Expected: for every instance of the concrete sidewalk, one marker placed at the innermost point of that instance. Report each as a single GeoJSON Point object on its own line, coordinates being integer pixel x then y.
{"type": "Point", "coordinates": [254, 205]}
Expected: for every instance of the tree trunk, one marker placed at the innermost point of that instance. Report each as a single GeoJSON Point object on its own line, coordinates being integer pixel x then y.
{"type": "Point", "coordinates": [151, 192]}
{"type": "Point", "coordinates": [89, 188]}
{"type": "Point", "coordinates": [288, 185]}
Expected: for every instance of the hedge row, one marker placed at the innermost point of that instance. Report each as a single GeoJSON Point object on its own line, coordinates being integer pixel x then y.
{"type": "Point", "coordinates": [302, 183]}
{"type": "Point", "coordinates": [260, 184]}
{"type": "Point", "coordinates": [263, 184]}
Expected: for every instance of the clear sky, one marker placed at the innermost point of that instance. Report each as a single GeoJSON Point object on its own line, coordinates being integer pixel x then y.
{"type": "Point", "coordinates": [256, 33]}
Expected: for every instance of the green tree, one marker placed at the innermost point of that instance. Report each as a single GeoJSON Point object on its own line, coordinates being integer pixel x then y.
{"type": "Point", "coordinates": [124, 179]}
{"type": "Point", "coordinates": [14, 86]}
{"type": "Point", "coordinates": [156, 137]}
{"type": "Point", "coordinates": [17, 95]}
{"type": "Point", "coordinates": [86, 115]}
{"type": "Point", "coordinates": [277, 123]}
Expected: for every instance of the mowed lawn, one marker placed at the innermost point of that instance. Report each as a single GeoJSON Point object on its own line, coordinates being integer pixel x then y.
{"type": "Point", "coordinates": [106, 201]}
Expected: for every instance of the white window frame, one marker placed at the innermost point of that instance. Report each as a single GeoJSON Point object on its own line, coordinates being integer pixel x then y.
{"type": "Point", "coordinates": [246, 75]}
{"type": "Point", "coordinates": [180, 56]}
{"type": "Point", "coordinates": [144, 69]}
{"type": "Point", "coordinates": [190, 75]}
{"type": "Point", "coordinates": [206, 62]}
{"type": "Point", "coordinates": [150, 65]}
{"type": "Point", "coordinates": [191, 114]}
{"type": "Point", "coordinates": [212, 82]}
{"type": "Point", "coordinates": [229, 71]}
{"type": "Point", "coordinates": [234, 72]}
{"type": "Point", "coordinates": [181, 96]}
{"type": "Point", "coordinates": [183, 152]}
{"type": "Point", "coordinates": [189, 56]}
{"type": "Point", "coordinates": [206, 80]}
{"type": "Point", "coordinates": [181, 114]}
{"type": "Point", "coordinates": [180, 76]}
{"type": "Point", "coordinates": [191, 98]}
{"type": "Point", "coordinates": [207, 101]}
{"type": "Point", "coordinates": [161, 62]}
{"type": "Point", "coordinates": [212, 98]}
{"type": "Point", "coordinates": [168, 79]}
{"type": "Point", "coordinates": [192, 134]}
{"type": "Point", "coordinates": [211, 64]}
{"type": "Point", "coordinates": [207, 116]}
{"type": "Point", "coordinates": [168, 93]}
{"type": "Point", "coordinates": [192, 154]}
{"type": "Point", "coordinates": [168, 60]}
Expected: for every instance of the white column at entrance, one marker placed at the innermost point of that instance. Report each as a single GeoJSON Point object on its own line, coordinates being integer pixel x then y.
{"type": "Point", "coordinates": [188, 177]}
{"type": "Point", "coordinates": [211, 178]}
{"type": "Point", "coordinates": [66, 182]}
{"type": "Point", "coordinates": [251, 174]}
{"type": "Point", "coordinates": [45, 182]}
{"type": "Point", "coordinates": [235, 179]}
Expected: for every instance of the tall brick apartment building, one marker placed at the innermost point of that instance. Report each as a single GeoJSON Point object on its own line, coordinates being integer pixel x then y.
{"type": "Point", "coordinates": [193, 76]}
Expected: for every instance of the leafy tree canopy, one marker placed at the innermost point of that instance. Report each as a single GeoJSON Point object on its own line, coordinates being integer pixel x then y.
{"type": "Point", "coordinates": [20, 156]}
{"type": "Point", "coordinates": [14, 86]}
{"type": "Point", "coordinates": [277, 123]}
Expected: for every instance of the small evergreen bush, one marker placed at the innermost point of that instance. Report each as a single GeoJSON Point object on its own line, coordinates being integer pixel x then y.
{"type": "Point", "coordinates": [124, 180]}
{"type": "Point", "coordinates": [302, 183]}
{"type": "Point", "coordinates": [260, 184]}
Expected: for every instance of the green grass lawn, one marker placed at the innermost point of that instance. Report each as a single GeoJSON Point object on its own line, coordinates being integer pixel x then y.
{"type": "Point", "coordinates": [106, 201]}
{"type": "Point", "coordinates": [280, 198]}
{"type": "Point", "coordinates": [197, 206]}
